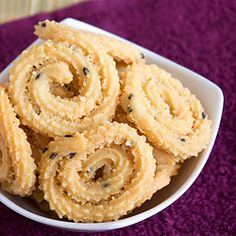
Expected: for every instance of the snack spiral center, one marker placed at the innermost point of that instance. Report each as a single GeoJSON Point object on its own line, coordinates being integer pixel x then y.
{"type": "Point", "coordinates": [64, 89]}
{"type": "Point", "coordinates": [99, 175]}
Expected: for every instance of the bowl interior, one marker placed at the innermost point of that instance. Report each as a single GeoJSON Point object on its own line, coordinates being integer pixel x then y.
{"type": "Point", "coordinates": [212, 99]}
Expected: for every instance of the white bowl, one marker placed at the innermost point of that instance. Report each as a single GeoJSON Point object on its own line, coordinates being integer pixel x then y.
{"type": "Point", "coordinates": [211, 97]}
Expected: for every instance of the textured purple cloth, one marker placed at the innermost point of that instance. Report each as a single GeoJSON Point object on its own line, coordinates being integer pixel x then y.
{"type": "Point", "coordinates": [197, 34]}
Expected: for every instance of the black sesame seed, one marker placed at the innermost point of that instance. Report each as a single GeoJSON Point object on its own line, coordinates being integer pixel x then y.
{"type": "Point", "coordinates": [72, 154]}
{"type": "Point", "coordinates": [104, 185]}
{"type": "Point", "coordinates": [43, 24]}
{"type": "Point", "coordinates": [142, 55]}
{"type": "Point", "coordinates": [72, 47]}
{"type": "Point", "coordinates": [44, 150]}
{"type": "Point", "coordinates": [130, 96]}
{"type": "Point", "coordinates": [68, 136]}
{"type": "Point", "coordinates": [17, 117]}
{"type": "Point", "coordinates": [182, 139]}
{"type": "Point", "coordinates": [37, 76]}
{"type": "Point", "coordinates": [203, 115]}
{"type": "Point", "coordinates": [53, 155]}
{"type": "Point", "coordinates": [129, 109]}
{"type": "Point", "coordinates": [85, 70]}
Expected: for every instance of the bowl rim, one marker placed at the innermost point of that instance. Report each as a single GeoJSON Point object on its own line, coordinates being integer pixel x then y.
{"type": "Point", "coordinates": [92, 227]}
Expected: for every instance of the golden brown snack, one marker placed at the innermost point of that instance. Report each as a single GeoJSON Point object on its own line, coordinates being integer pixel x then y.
{"type": "Point", "coordinates": [17, 167]}
{"type": "Point", "coordinates": [98, 176]}
{"type": "Point", "coordinates": [170, 116]}
{"type": "Point", "coordinates": [88, 74]}
{"type": "Point", "coordinates": [65, 93]}
{"type": "Point", "coordinates": [119, 50]}
{"type": "Point", "coordinates": [167, 165]}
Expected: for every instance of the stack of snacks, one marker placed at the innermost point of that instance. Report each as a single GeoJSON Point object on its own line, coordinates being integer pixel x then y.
{"type": "Point", "coordinates": [89, 130]}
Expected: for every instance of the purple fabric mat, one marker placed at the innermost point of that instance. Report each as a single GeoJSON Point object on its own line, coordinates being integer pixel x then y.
{"type": "Point", "coordinates": [197, 34]}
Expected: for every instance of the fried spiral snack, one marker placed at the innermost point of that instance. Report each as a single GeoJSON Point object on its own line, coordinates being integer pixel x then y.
{"type": "Point", "coordinates": [168, 114]}
{"type": "Point", "coordinates": [119, 50]}
{"type": "Point", "coordinates": [41, 74]}
{"type": "Point", "coordinates": [89, 131]}
{"type": "Point", "coordinates": [167, 165]}
{"type": "Point", "coordinates": [98, 175]}
{"type": "Point", "coordinates": [17, 167]}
